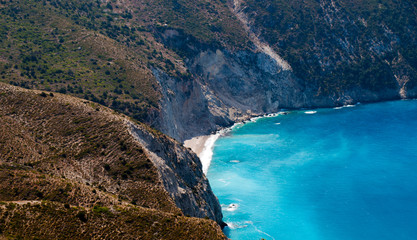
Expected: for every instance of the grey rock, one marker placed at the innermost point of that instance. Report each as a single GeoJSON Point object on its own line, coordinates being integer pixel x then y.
{"type": "Point", "coordinates": [181, 173]}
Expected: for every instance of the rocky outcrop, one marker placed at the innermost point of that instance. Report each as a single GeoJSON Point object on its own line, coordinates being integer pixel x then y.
{"type": "Point", "coordinates": [342, 50]}
{"type": "Point", "coordinates": [186, 108]}
{"type": "Point", "coordinates": [123, 176]}
{"type": "Point", "coordinates": [181, 173]}
{"type": "Point", "coordinates": [225, 87]}
{"type": "Point", "coordinates": [346, 60]}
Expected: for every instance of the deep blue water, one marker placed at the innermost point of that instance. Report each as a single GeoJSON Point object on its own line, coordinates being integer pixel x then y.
{"type": "Point", "coordinates": [347, 173]}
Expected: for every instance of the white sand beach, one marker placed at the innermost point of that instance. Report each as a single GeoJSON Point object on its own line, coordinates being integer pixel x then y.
{"type": "Point", "coordinates": [196, 144]}
{"type": "Point", "coordinates": [203, 147]}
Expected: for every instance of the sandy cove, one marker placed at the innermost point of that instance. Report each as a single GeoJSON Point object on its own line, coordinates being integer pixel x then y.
{"type": "Point", "coordinates": [197, 144]}
{"type": "Point", "coordinates": [203, 147]}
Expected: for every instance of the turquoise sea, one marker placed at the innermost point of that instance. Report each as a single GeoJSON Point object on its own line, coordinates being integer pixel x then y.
{"type": "Point", "coordinates": [337, 174]}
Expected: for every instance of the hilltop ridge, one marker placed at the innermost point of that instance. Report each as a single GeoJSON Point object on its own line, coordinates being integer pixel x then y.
{"type": "Point", "coordinates": [175, 69]}
{"type": "Point", "coordinates": [188, 68]}
{"type": "Point", "coordinates": [75, 162]}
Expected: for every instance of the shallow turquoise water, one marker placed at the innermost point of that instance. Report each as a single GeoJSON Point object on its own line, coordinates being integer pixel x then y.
{"type": "Point", "coordinates": [347, 173]}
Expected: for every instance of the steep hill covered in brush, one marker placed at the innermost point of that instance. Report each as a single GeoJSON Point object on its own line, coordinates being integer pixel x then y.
{"type": "Point", "coordinates": [354, 50]}
{"type": "Point", "coordinates": [189, 67]}
{"type": "Point", "coordinates": [71, 168]}
{"type": "Point", "coordinates": [183, 67]}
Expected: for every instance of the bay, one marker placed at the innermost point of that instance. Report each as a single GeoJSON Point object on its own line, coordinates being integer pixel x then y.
{"type": "Point", "coordinates": [345, 173]}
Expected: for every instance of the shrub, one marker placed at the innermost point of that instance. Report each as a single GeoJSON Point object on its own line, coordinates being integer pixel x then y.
{"type": "Point", "coordinates": [107, 167]}
{"type": "Point", "coordinates": [99, 209]}
{"type": "Point", "coordinates": [82, 216]}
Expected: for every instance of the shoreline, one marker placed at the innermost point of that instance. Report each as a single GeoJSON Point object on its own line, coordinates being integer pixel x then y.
{"type": "Point", "coordinates": [203, 145]}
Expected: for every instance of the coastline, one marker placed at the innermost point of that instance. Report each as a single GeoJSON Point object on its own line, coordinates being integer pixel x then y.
{"type": "Point", "coordinates": [203, 145]}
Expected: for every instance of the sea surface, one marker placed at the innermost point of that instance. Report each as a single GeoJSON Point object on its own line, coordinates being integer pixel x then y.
{"type": "Point", "coordinates": [345, 173]}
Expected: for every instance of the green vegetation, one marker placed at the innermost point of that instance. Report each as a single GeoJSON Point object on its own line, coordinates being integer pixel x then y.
{"type": "Point", "coordinates": [78, 157]}
{"type": "Point", "coordinates": [71, 166]}
{"type": "Point", "coordinates": [104, 51]}
{"type": "Point", "coordinates": [100, 209]}
{"type": "Point", "coordinates": [59, 129]}
{"type": "Point", "coordinates": [49, 45]}
{"type": "Point", "coordinates": [209, 21]}
{"type": "Point", "coordinates": [342, 47]}
{"type": "Point", "coordinates": [126, 222]}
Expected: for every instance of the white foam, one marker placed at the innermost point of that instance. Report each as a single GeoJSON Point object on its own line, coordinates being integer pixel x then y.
{"type": "Point", "coordinates": [273, 115]}
{"type": "Point", "coordinates": [262, 232]}
{"type": "Point", "coordinates": [207, 153]}
{"type": "Point", "coordinates": [256, 118]}
{"type": "Point", "coordinates": [278, 123]}
{"type": "Point", "coordinates": [225, 183]}
{"type": "Point", "coordinates": [310, 112]}
{"type": "Point", "coordinates": [237, 225]}
{"type": "Point", "coordinates": [234, 161]}
{"type": "Point", "coordinates": [348, 105]}
{"type": "Point", "coordinates": [233, 225]}
{"type": "Point", "coordinates": [236, 125]}
{"type": "Point", "coordinates": [232, 207]}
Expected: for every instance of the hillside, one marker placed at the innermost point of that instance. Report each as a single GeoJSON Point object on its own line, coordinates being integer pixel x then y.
{"type": "Point", "coordinates": [343, 46]}
{"type": "Point", "coordinates": [102, 51]}
{"type": "Point", "coordinates": [189, 67]}
{"type": "Point", "coordinates": [185, 68]}
{"type": "Point", "coordinates": [75, 168]}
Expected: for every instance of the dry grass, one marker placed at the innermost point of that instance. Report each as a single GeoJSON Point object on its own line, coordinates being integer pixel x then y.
{"type": "Point", "coordinates": [76, 140]}
{"type": "Point", "coordinates": [71, 151]}
{"type": "Point", "coordinates": [49, 220]}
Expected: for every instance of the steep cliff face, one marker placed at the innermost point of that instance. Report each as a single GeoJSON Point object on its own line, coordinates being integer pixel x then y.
{"type": "Point", "coordinates": [77, 153]}
{"type": "Point", "coordinates": [301, 54]}
{"type": "Point", "coordinates": [222, 87]}
{"type": "Point", "coordinates": [190, 67]}
{"type": "Point", "coordinates": [358, 50]}
{"type": "Point", "coordinates": [186, 68]}
{"type": "Point", "coordinates": [181, 173]}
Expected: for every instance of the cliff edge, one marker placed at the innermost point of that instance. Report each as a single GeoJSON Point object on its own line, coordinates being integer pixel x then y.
{"type": "Point", "coordinates": [82, 169]}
